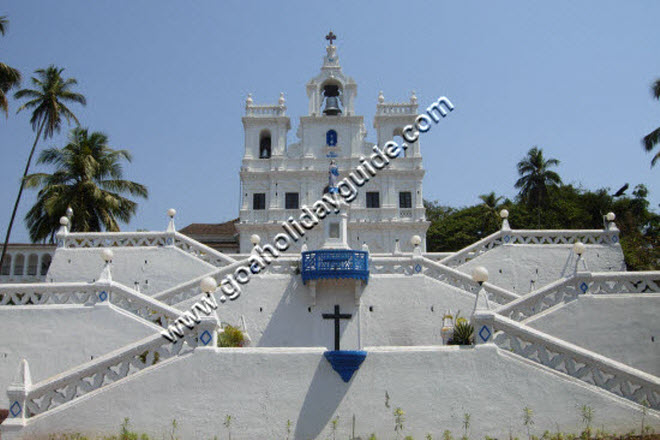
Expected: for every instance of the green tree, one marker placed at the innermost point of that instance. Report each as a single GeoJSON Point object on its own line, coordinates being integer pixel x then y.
{"type": "Point", "coordinates": [535, 179]}
{"type": "Point", "coordinates": [47, 100]}
{"type": "Point", "coordinates": [9, 77]}
{"type": "Point", "coordinates": [492, 204]}
{"type": "Point", "coordinates": [653, 138]}
{"type": "Point", "coordinates": [88, 177]}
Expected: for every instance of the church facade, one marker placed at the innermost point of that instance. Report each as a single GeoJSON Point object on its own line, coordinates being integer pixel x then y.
{"type": "Point", "coordinates": [278, 179]}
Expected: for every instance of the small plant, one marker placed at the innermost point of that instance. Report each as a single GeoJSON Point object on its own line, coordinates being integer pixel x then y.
{"type": "Point", "coordinates": [399, 419]}
{"type": "Point", "coordinates": [408, 437]}
{"type": "Point", "coordinates": [227, 424]}
{"type": "Point", "coordinates": [372, 437]}
{"type": "Point", "coordinates": [231, 337]}
{"type": "Point", "coordinates": [466, 425]}
{"type": "Point", "coordinates": [334, 422]}
{"type": "Point", "coordinates": [428, 437]}
{"type": "Point", "coordinates": [447, 435]}
{"type": "Point", "coordinates": [143, 357]}
{"type": "Point", "coordinates": [463, 332]}
{"type": "Point", "coordinates": [288, 429]}
{"type": "Point", "coordinates": [173, 432]}
{"type": "Point", "coordinates": [528, 420]}
{"type": "Point", "coordinates": [645, 411]}
{"type": "Point", "coordinates": [587, 414]}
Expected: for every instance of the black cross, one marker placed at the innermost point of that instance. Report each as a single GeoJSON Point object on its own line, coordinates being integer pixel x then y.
{"type": "Point", "coordinates": [337, 316]}
{"type": "Point", "coordinates": [330, 37]}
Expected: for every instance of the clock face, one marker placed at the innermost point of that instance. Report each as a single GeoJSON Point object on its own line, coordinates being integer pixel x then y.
{"type": "Point", "coordinates": [331, 138]}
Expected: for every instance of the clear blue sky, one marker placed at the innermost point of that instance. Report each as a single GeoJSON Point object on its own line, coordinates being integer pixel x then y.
{"type": "Point", "coordinates": [167, 80]}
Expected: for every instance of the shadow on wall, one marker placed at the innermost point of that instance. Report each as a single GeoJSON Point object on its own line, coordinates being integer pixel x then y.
{"type": "Point", "coordinates": [324, 394]}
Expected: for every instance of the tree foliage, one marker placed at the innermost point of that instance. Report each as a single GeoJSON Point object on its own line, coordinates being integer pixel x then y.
{"type": "Point", "coordinates": [567, 207]}
{"type": "Point", "coordinates": [9, 77]}
{"type": "Point", "coordinates": [88, 178]}
{"type": "Point", "coordinates": [653, 138]}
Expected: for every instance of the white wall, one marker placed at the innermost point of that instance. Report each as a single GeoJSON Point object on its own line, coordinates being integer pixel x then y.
{"type": "Point", "coordinates": [263, 388]}
{"type": "Point", "coordinates": [152, 267]}
{"type": "Point", "coordinates": [60, 337]}
{"type": "Point", "coordinates": [522, 268]}
{"type": "Point", "coordinates": [625, 328]}
{"type": "Point", "coordinates": [277, 311]}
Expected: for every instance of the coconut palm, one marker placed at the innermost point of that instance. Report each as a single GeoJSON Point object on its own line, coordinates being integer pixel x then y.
{"type": "Point", "coordinates": [88, 178]}
{"type": "Point", "coordinates": [47, 100]}
{"type": "Point", "coordinates": [653, 138]}
{"type": "Point", "coordinates": [536, 177]}
{"type": "Point", "coordinates": [491, 202]}
{"type": "Point", "coordinates": [9, 77]}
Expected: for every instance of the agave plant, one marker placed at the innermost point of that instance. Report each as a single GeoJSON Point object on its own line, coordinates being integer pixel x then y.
{"type": "Point", "coordinates": [463, 332]}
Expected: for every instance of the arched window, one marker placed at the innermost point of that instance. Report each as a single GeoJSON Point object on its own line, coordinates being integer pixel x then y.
{"type": "Point", "coordinates": [45, 264]}
{"type": "Point", "coordinates": [264, 145]}
{"type": "Point", "coordinates": [331, 138]}
{"type": "Point", "coordinates": [33, 264]}
{"type": "Point", "coordinates": [6, 266]}
{"type": "Point", "coordinates": [18, 265]}
{"type": "Point", "coordinates": [397, 136]}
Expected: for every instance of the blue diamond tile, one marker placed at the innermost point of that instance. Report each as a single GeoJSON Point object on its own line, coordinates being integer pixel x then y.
{"type": "Point", "coordinates": [507, 238]}
{"type": "Point", "coordinates": [615, 239]}
{"type": "Point", "coordinates": [103, 295]}
{"type": "Point", "coordinates": [15, 409]}
{"type": "Point", "coordinates": [205, 337]}
{"type": "Point", "coordinates": [255, 268]}
{"type": "Point", "coordinates": [60, 243]}
{"type": "Point", "coordinates": [168, 241]}
{"type": "Point", "coordinates": [418, 268]}
{"type": "Point", "coordinates": [584, 287]}
{"type": "Point", "coordinates": [484, 333]}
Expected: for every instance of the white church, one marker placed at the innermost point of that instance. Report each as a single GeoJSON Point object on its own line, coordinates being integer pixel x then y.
{"type": "Point", "coordinates": [354, 321]}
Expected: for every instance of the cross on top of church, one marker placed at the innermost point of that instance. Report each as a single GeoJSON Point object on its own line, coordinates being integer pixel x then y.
{"type": "Point", "coordinates": [330, 37]}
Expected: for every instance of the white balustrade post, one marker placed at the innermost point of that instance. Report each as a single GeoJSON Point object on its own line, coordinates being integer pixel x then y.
{"type": "Point", "coordinates": [17, 393]}
{"type": "Point", "coordinates": [104, 283]}
{"type": "Point", "coordinates": [62, 232]}
{"type": "Point", "coordinates": [505, 220]}
{"type": "Point", "coordinates": [207, 332]}
{"type": "Point", "coordinates": [483, 322]}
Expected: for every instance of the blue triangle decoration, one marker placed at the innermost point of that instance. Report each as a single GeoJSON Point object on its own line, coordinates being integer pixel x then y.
{"type": "Point", "coordinates": [345, 362]}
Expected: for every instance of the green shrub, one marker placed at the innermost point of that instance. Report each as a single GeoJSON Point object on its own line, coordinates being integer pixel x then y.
{"type": "Point", "coordinates": [231, 337]}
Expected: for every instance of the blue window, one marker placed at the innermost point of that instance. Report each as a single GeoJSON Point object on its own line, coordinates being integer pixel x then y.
{"type": "Point", "coordinates": [331, 138]}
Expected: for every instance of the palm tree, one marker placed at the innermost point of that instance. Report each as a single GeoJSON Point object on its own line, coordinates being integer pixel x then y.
{"type": "Point", "coordinates": [88, 178]}
{"type": "Point", "coordinates": [491, 203]}
{"type": "Point", "coordinates": [535, 179]}
{"type": "Point", "coordinates": [9, 77]}
{"type": "Point", "coordinates": [47, 99]}
{"type": "Point", "coordinates": [653, 138]}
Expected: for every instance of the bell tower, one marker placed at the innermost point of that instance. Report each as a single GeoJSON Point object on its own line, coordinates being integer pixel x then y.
{"type": "Point", "coordinates": [331, 93]}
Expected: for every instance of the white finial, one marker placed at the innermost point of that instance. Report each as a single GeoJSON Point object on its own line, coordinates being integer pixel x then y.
{"type": "Point", "coordinates": [170, 225]}
{"type": "Point", "coordinates": [69, 212]}
{"type": "Point", "coordinates": [248, 100]}
{"type": "Point", "coordinates": [281, 101]}
{"type": "Point", "coordinates": [397, 247]}
{"type": "Point", "coordinates": [611, 216]}
{"type": "Point", "coordinates": [64, 221]}
{"type": "Point", "coordinates": [381, 97]}
{"type": "Point", "coordinates": [255, 239]}
{"type": "Point", "coordinates": [106, 273]}
{"type": "Point", "coordinates": [208, 285]}
{"type": "Point", "coordinates": [416, 240]}
{"type": "Point", "coordinates": [365, 247]}
{"type": "Point", "coordinates": [23, 378]}
{"type": "Point", "coordinates": [413, 98]}
{"type": "Point", "coordinates": [107, 255]}
{"type": "Point", "coordinates": [480, 274]}
{"type": "Point", "coordinates": [579, 248]}
{"type": "Point", "coordinates": [505, 219]}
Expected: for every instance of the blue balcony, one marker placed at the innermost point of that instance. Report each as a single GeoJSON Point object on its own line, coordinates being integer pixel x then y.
{"type": "Point", "coordinates": [335, 264]}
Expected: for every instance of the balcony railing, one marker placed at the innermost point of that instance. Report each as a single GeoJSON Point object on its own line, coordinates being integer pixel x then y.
{"type": "Point", "coordinates": [335, 264]}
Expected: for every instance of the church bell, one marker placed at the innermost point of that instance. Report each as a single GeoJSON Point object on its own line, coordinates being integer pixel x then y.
{"type": "Point", "coordinates": [331, 101]}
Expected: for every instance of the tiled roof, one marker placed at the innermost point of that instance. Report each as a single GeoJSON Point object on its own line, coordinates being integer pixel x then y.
{"type": "Point", "coordinates": [197, 229]}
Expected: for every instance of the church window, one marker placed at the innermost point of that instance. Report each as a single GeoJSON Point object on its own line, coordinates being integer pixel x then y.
{"type": "Point", "coordinates": [331, 138]}
{"type": "Point", "coordinates": [18, 265]}
{"type": "Point", "coordinates": [259, 201]}
{"type": "Point", "coordinates": [373, 199]}
{"type": "Point", "coordinates": [6, 266]}
{"type": "Point", "coordinates": [291, 200]}
{"type": "Point", "coordinates": [264, 145]}
{"type": "Point", "coordinates": [334, 230]}
{"type": "Point", "coordinates": [405, 199]}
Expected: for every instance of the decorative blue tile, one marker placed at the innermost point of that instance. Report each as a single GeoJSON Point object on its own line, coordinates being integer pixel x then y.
{"type": "Point", "coordinates": [418, 268]}
{"type": "Point", "coordinates": [507, 238]}
{"type": "Point", "coordinates": [584, 287]}
{"type": "Point", "coordinates": [255, 268]}
{"type": "Point", "coordinates": [345, 362]}
{"type": "Point", "coordinates": [103, 295]}
{"type": "Point", "coordinates": [168, 241]}
{"type": "Point", "coordinates": [60, 243]}
{"type": "Point", "coordinates": [484, 333]}
{"type": "Point", "coordinates": [615, 239]}
{"type": "Point", "coordinates": [205, 337]}
{"type": "Point", "coordinates": [15, 409]}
